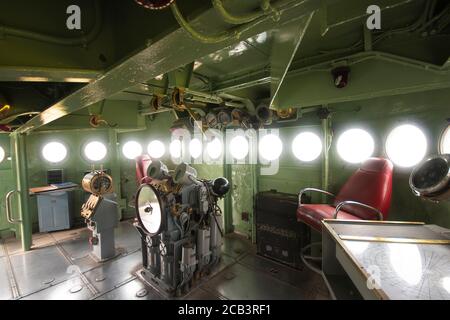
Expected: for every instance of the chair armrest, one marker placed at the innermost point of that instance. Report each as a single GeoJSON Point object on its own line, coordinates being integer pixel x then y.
{"type": "Point", "coordinates": [300, 194]}
{"type": "Point", "coordinates": [343, 203]}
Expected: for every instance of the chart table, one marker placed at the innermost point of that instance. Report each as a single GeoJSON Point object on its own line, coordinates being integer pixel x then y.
{"type": "Point", "coordinates": [386, 260]}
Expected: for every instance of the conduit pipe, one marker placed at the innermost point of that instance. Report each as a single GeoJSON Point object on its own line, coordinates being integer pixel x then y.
{"type": "Point", "coordinates": [249, 105]}
{"type": "Point", "coordinates": [229, 34]}
{"type": "Point", "coordinates": [241, 19]}
{"type": "Point", "coordinates": [237, 102]}
{"type": "Point", "coordinates": [212, 38]}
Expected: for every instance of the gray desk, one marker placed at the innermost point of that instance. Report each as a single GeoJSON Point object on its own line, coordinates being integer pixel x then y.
{"type": "Point", "coordinates": [54, 206]}
{"type": "Point", "coordinates": [386, 260]}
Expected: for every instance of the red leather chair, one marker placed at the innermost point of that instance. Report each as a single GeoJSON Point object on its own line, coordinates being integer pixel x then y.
{"type": "Point", "coordinates": [365, 196]}
{"type": "Point", "coordinates": [142, 164]}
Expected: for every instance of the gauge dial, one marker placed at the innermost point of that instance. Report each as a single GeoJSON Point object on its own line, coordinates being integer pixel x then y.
{"type": "Point", "coordinates": [97, 183]}
{"type": "Point", "coordinates": [102, 183]}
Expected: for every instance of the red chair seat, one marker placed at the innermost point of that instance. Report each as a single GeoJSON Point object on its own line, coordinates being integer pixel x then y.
{"type": "Point", "coordinates": [313, 214]}
{"type": "Point", "coordinates": [371, 185]}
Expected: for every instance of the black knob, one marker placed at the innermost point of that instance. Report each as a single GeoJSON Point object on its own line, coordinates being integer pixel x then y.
{"type": "Point", "coordinates": [220, 186]}
{"type": "Point", "coordinates": [148, 209]}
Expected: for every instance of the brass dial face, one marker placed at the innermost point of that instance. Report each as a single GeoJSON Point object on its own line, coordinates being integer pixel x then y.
{"type": "Point", "coordinates": [102, 183]}
{"type": "Point", "coordinates": [97, 183]}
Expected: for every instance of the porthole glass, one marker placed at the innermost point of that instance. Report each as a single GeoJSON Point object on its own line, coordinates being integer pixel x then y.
{"type": "Point", "coordinates": [156, 149]}
{"type": "Point", "coordinates": [132, 149]}
{"type": "Point", "coordinates": [307, 146]}
{"type": "Point", "coordinates": [355, 145]}
{"type": "Point", "coordinates": [95, 151]}
{"type": "Point", "coordinates": [445, 142]}
{"type": "Point", "coordinates": [54, 152]}
{"type": "Point", "coordinates": [239, 147]}
{"type": "Point", "coordinates": [195, 148]}
{"type": "Point", "coordinates": [175, 149]}
{"type": "Point", "coordinates": [214, 148]}
{"type": "Point", "coordinates": [406, 145]}
{"type": "Point", "coordinates": [2, 154]}
{"type": "Point", "coordinates": [270, 147]}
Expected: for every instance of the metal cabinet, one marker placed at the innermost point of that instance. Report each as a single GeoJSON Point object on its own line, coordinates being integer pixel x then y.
{"type": "Point", "coordinates": [278, 234]}
{"type": "Point", "coordinates": [54, 211]}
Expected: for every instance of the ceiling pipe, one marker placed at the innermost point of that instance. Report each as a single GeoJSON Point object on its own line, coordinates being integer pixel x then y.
{"type": "Point", "coordinates": [237, 102]}
{"type": "Point", "coordinates": [203, 97]}
{"type": "Point", "coordinates": [212, 98]}
{"type": "Point", "coordinates": [241, 19]}
{"type": "Point", "coordinates": [249, 105]}
{"type": "Point", "coordinates": [211, 38]}
{"type": "Point", "coordinates": [230, 34]}
{"type": "Point", "coordinates": [230, 104]}
{"type": "Point", "coordinates": [77, 41]}
{"type": "Point", "coordinates": [163, 58]}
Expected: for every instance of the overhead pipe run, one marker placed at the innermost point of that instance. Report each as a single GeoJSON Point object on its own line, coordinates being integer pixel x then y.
{"type": "Point", "coordinates": [244, 23]}
{"type": "Point", "coordinates": [237, 102]}
{"type": "Point", "coordinates": [202, 98]}
{"type": "Point", "coordinates": [241, 19]}
{"type": "Point", "coordinates": [196, 103]}
{"type": "Point", "coordinates": [249, 105]}
{"type": "Point", "coordinates": [133, 70]}
{"type": "Point", "coordinates": [213, 38]}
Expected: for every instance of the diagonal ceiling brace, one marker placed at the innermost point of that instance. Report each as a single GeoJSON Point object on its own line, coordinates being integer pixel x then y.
{"type": "Point", "coordinates": [162, 56]}
{"type": "Point", "coordinates": [285, 46]}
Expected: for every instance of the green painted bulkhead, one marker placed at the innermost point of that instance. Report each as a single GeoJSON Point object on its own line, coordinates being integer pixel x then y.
{"type": "Point", "coordinates": [397, 76]}
{"type": "Point", "coordinates": [6, 185]}
{"type": "Point", "coordinates": [292, 176]}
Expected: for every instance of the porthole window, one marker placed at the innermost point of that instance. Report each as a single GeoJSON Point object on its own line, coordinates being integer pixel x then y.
{"type": "Point", "coordinates": [214, 148]}
{"type": "Point", "coordinates": [156, 149]}
{"type": "Point", "coordinates": [355, 145]}
{"type": "Point", "coordinates": [444, 145]}
{"type": "Point", "coordinates": [95, 151]}
{"type": "Point", "coordinates": [175, 149]}
{"type": "Point", "coordinates": [2, 154]}
{"type": "Point", "coordinates": [54, 152]}
{"type": "Point", "coordinates": [307, 146]}
{"type": "Point", "coordinates": [270, 147]}
{"type": "Point", "coordinates": [406, 145]}
{"type": "Point", "coordinates": [195, 148]}
{"type": "Point", "coordinates": [132, 149]}
{"type": "Point", "coordinates": [239, 147]}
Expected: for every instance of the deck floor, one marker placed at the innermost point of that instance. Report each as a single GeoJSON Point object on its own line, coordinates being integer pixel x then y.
{"type": "Point", "coordinates": [59, 267]}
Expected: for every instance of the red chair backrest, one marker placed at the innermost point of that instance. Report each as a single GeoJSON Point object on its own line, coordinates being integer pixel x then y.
{"type": "Point", "coordinates": [371, 184]}
{"type": "Point", "coordinates": [142, 164]}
